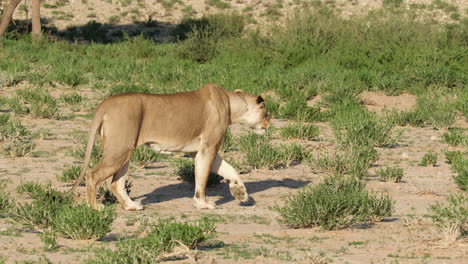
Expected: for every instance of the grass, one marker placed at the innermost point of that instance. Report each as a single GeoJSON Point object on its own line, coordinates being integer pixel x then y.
{"type": "Point", "coordinates": [162, 238]}
{"type": "Point", "coordinates": [300, 131]}
{"type": "Point", "coordinates": [37, 103]}
{"type": "Point", "coordinates": [185, 169]}
{"type": "Point", "coordinates": [5, 201]}
{"type": "Point", "coordinates": [430, 158]}
{"type": "Point", "coordinates": [337, 202]}
{"type": "Point", "coordinates": [49, 211]}
{"type": "Point", "coordinates": [69, 174]}
{"type": "Point", "coordinates": [452, 218]}
{"type": "Point", "coordinates": [390, 174]}
{"type": "Point", "coordinates": [459, 165]}
{"type": "Point", "coordinates": [17, 138]}
{"type": "Point", "coordinates": [143, 156]}
{"type": "Point", "coordinates": [79, 149]}
{"type": "Point", "coordinates": [260, 153]}
{"type": "Point", "coordinates": [456, 137]}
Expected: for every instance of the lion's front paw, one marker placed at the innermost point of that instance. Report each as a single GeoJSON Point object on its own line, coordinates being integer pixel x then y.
{"type": "Point", "coordinates": [201, 204]}
{"type": "Point", "coordinates": [133, 206]}
{"type": "Point", "coordinates": [239, 192]}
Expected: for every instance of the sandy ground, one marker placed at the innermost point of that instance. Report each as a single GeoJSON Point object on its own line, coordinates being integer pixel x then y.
{"type": "Point", "coordinates": [250, 232]}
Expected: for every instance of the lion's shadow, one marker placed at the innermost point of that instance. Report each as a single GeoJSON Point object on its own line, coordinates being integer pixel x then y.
{"type": "Point", "coordinates": [185, 190]}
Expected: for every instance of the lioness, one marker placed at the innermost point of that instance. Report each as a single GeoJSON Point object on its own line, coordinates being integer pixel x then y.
{"type": "Point", "coordinates": [193, 122]}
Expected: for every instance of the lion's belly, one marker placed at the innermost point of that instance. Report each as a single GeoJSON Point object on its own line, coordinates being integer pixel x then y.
{"type": "Point", "coordinates": [168, 148]}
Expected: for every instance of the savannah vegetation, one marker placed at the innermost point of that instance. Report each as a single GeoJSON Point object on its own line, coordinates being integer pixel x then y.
{"type": "Point", "coordinates": [338, 141]}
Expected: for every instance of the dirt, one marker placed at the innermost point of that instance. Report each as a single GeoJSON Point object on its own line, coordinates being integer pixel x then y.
{"type": "Point", "coordinates": [407, 237]}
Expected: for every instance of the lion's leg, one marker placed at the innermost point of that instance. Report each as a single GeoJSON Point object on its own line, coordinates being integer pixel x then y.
{"type": "Point", "coordinates": [118, 188]}
{"type": "Point", "coordinates": [107, 167]}
{"type": "Point", "coordinates": [236, 185]}
{"type": "Point", "coordinates": [203, 161]}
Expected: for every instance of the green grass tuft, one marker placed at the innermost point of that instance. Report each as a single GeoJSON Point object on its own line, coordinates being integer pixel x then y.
{"type": "Point", "coordinates": [452, 218]}
{"type": "Point", "coordinates": [390, 174]}
{"type": "Point", "coordinates": [430, 158]}
{"type": "Point", "coordinates": [337, 202]}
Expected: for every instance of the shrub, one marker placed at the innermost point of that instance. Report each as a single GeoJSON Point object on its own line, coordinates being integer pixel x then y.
{"type": "Point", "coordinates": [128, 88]}
{"type": "Point", "coordinates": [354, 162]}
{"type": "Point", "coordinates": [354, 126]}
{"type": "Point", "coordinates": [460, 167]}
{"type": "Point", "coordinates": [390, 174]}
{"type": "Point", "coordinates": [12, 128]}
{"type": "Point", "coordinates": [185, 169]}
{"type": "Point", "coordinates": [296, 108]}
{"type": "Point", "coordinates": [51, 211]}
{"type": "Point", "coordinates": [452, 219]}
{"type": "Point", "coordinates": [5, 201]}
{"type": "Point", "coordinates": [82, 222]}
{"type": "Point", "coordinates": [162, 238]}
{"type": "Point", "coordinates": [73, 99]}
{"type": "Point", "coordinates": [456, 137]}
{"type": "Point", "coordinates": [337, 202]}
{"type": "Point", "coordinates": [430, 158]}
{"type": "Point", "coordinates": [453, 156]}
{"type": "Point", "coordinates": [300, 131]}
{"type": "Point", "coordinates": [34, 102]}
{"type": "Point", "coordinates": [69, 174]}
{"type": "Point", "coordinates": [19, 147]}
{"type": "Point", "coordinates": [144, 156]}
{"type": "Point", "coordinates": [79, 149]}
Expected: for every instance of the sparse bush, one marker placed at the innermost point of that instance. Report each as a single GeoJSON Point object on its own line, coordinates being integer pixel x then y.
{"type": "Point", "coordinates": [354, 161]}
{"type": "Point", "coordinates": [354, 126]}
{"type": "Point", "coordinates": [185, 169]}
{"type": "Point", "coordinates": [127, 88]}
{"type": "Point", "coordinates": [12, 128]}
{"type": "Point", "coordinates": [390, 174]}
{"type": "Point", "coordinates": [144, 156]}
{"type": "Point", "coordinates": [19, 147]}
{"type": "Point", "coordinates": [74, 100]}
{"type": "Point", "coordinates": [49, 240]}
{"type": "Point", "coordinates": [300, 131]}
{"type": "Point", "coordinates": [452, 219]}
{"type": "Point", "coordinates": [51, 211]}
{"type": "Point", "coordinates": [5, 201]}
{"type": "Point", "coordinates": [460, 167]}
{"type": "Point", "coordinates": [453, 156]}
{"type": "Point", "coordinates": [296, 108]}
{"type": "Point", "coordinates": [337, 202]}
{"type": "Point", "coordinates": [79, 149]}
{"type": "Point", "coordinates": [430, 158]}
{"type": "Point", "coordinates": [69, 174]}
{"type": "Point", "coordinates": [162, 238]}
{"type": "Point", "coordinates": [34, 102]}
{"type": "Point", "coordinates": [456, 137]}
{"type": "Point", "coordinates": [82, 222]}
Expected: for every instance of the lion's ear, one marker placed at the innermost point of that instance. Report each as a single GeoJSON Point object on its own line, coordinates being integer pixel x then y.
{"type": "Point", "coordinates": [238, 91]}
{"type": "Point", "coordinates": [260, 99]}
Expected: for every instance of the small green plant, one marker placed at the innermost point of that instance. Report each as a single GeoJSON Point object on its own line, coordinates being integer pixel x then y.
{"type": "Point", "coordinates": [300, 131]}
{"type": "Point", "coordinates": [34, 102]}
{"type": "Point", "coordinates": [460, 167]}
{"type": "Point", "coordinates": [453, 156]}
{"type": "Point", "coordinates": [12, 128]}
{"type": "Point", "coordinates": [355, 161]}
{"type": "Point", "coordinates": [82, 222]}
{"type": "Point", "coordinates": [185, 169]}
{"type": "Point", "coordinates": [392, 3]}
{"type": "Point", "coordinates": [49, 240]}
{"type": "Point", "coordinates": [5, 201]}
{"type": "Point", "coordinates": [456, 137]}
{"type": "Point", "coordinates": [430, 158]}
{"type": "Point", "coordinates": [73, 99]}
{"type": "Point", "coordinates": [390, 174]}
{"type": "Point", "coordinates": [452, 218]}
{"type": "Point", "coordinates": [337, 202]}
{"type": "Point", "coordinates": [144, 156]}
{"type": "Point", "coordinates": [69, 174]}
{"type": "Point", "coordinates": [127, 88]}
{"type": "Point", "coordinates": [50, 211]}
{"type": "Point", "coordinates": [19, 147]}
{"type": "Point", "coordinates": [162, 238]}
{"type": "Point", "coordinates": [296, 108]}
{"type": "Point", "coordinates": [355, 126]}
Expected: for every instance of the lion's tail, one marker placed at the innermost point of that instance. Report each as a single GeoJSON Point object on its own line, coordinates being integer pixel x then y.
{"type": "Point", "coordinates": [93, 130]}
